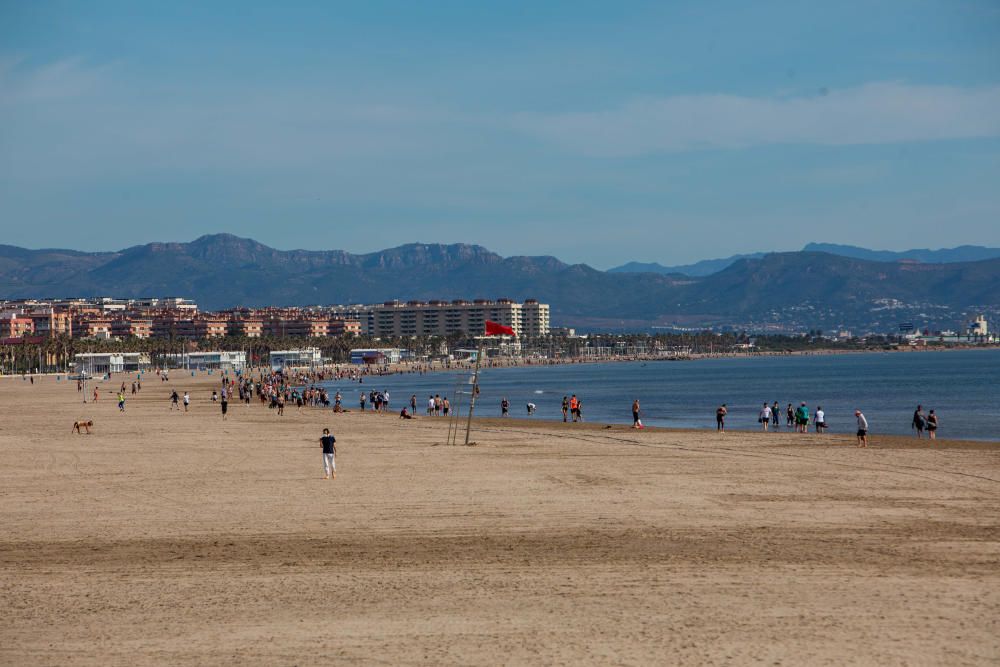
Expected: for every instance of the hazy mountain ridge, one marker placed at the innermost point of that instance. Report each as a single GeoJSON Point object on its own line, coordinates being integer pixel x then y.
{"type": "Point", "coordinates": [778, 289]}
{"type": "Point", "coordinates": [706, 267]}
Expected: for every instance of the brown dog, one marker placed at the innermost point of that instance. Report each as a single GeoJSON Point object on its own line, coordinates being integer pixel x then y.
{"type": "Point", "coordinates": [82, 425]}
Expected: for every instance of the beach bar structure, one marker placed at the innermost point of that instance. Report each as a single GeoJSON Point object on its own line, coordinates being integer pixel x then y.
{"type": "Point", "coordinates": [222, 360]}
{"type": "Point", "coordinates": [110, 362]}
{"type": "Point", "coordinates": [376, 355]}
{"type": "Point", "coordinates": [304, 357]}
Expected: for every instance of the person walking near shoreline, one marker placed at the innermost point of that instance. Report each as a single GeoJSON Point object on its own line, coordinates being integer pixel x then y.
{"type": "Point", "coordinates": [636, 422]}
{"type": "Point", "coordinates": [775, 415]}
{"type": "Point", "coordinates": [574, 403]}
{"type": "Point", "coordinates": [565, 408]}
{"type": "Point", "coordinates": [329, 445]}
{"type": "Point", "coordinates": [174, 398]}
{"type": "Point", "coordinates": [789, 416]}
{"type": "Point", "coordinates": [720, 418]}
{"type": "Point", "coordinates": [862, 429]}
{"type": "Point", "coordinates": [504, 407]}
{"type": "Point", "coordinates": [187, 401]}
{"type": "Point", "coordinates": [802, 418]}
{"type": "Point", "coordinates": [765, 417]}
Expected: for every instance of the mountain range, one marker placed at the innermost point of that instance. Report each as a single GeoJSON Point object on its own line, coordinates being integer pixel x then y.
{"type": "Point", "coordinates": [793, 290]}
{"type": "Point", "coordinates": [706, 267]}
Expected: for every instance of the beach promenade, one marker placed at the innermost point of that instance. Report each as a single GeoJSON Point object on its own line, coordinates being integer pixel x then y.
{"type": "Point", "coordinates": [178, 538]}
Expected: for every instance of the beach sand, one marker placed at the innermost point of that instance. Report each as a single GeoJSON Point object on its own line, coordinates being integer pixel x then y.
{"type": "Point", "coordinates": [181, 539]}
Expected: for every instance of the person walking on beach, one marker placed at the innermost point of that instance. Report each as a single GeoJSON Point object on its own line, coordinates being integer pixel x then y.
{"type": "Point", "coordinates": [413, 404]}
{"type": "Point", "coordinates": [720, 418]}
{"type": "Point", "coordinates": [362, 400]}
{"type": "Point", "coordinates": [329, 445]}
{"type": "Point", "coordinates": [174, 398]}
{"type": "Point", "coordinates": [862, 428]}
{"type": "Point", "coordinates": [820, 419]}
{"type": "Point", "coordinates": [765, 417]}
{"type": "Point", "coordinates": [565, 407]}
{"type": "Point", "coordinates": [187, 401]}
{"type": "Point", "coordinates": [121, 401]}
{"type": "Point", "coordinates": [790, 416]}
{"type": "Point", "coordinates": [445, 407]}
{"type": "Point", "coordinates": [775, 415]}
{"type": "Point", "coordinates": [636, 422]}
{"type": "Point", "coordinates": [574, 403]}
{"type": "Point", "coordinates": [224, 404]}
{"type": "Point", "coordinates": [504, 407]}
{"type": "Point", "coordinates": [919, 421]}
{"type": "Point", "coordinates": [932, 425]}
{"type": "Point", "coordinates": [431, 405]}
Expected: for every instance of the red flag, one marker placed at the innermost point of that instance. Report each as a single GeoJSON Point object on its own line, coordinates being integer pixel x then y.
{"type": "Point", "coordinates": [495, 329]}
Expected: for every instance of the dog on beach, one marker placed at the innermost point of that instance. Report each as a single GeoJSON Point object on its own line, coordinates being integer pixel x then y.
{"type": "Point", "coordinates": [82, 425]}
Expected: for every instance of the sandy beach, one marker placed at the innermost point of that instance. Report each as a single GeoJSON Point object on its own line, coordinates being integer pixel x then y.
{"type": "Point", "coordinates": [178, 538]}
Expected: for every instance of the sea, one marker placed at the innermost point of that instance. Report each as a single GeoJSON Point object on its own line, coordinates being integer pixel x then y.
{"type": "Point", "coordinates": [961, 386]}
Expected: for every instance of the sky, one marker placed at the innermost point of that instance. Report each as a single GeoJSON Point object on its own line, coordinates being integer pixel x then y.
{"type": "Point", "coordinates": [597, 132]}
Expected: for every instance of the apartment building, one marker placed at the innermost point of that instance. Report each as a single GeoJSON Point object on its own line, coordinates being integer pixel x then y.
{"type": "Point", "coordinates": [49, 322]}
{"type": "Point", "coordinates": [442, 318]}
{"type": "Point", "coordinates": [15, 325]}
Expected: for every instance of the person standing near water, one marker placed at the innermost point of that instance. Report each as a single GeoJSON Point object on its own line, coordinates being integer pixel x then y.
{"type": "Point", "coordinates": [862, 429]}
{"type": "Point", "coordinates": [329, 445]}
{"type": "Point", "coordinates": [720, 418]}
{"type": "Point", "coordinates": [820, 419]}
{"type": "Point", "coordinates": [565, 408]}
{"type": "Point", "coordinates": [775, 415]}
{"type": "Point", "coordinates": [636, 422]}
{"type": "Point", "coordinates": [932, 425]}
{"type": "Point", "coordinates": [919, 421]}
{"type": "Point", "coordinates": [504, 406]}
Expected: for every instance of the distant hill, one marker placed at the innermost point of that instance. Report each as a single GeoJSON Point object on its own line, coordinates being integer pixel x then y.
{"type": "Point", "coordinates": [706, 267]}
{"type": "Point", "coordinates": [963, 253]}
{"type": "Point", "coordinates": [789, 290]}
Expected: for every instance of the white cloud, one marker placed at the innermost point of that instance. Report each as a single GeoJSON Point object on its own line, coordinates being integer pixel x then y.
{"type": "Point", "coordinates": [876, 113]}
{"type": "Point", "coordinates": [23, 84]}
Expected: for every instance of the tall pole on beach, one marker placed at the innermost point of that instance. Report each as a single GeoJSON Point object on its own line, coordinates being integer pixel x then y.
{"type": "Point", "coordinates": [475, 391]}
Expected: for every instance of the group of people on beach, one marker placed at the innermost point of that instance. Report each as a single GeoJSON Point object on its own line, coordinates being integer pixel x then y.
{"type": "Point", "coordinates": [795, 417]}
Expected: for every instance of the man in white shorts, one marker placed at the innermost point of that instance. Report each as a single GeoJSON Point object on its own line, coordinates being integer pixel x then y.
{"type": "Point", "coordinates": [329, 444]}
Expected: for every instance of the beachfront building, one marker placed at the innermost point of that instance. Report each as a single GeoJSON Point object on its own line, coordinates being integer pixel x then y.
{"type": "Point", "coordinates": [395, 319]}
{"type": "Point", "coordinates": [225, 360]}
{"type": "Point", "coordinates": [99, 363]}
{"type": "Point", "coordinates": [376, 355]}
{"type": "Point", "coordinates": [305, 357]}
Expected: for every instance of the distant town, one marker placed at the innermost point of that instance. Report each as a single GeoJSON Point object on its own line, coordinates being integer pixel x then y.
{"type": "Point", "coordinates": [108, 334]}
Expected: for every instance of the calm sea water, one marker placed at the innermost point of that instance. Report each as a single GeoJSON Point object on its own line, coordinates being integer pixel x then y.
{"type": "Point", "coordinates": [963, 387]}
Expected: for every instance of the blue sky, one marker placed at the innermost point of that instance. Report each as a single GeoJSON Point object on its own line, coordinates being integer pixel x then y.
{"type": "Point", "coordinates": [596, 132]}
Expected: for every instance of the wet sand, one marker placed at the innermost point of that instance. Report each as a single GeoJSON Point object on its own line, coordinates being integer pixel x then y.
{"type": "Point", "coordinates": [180, 539]}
